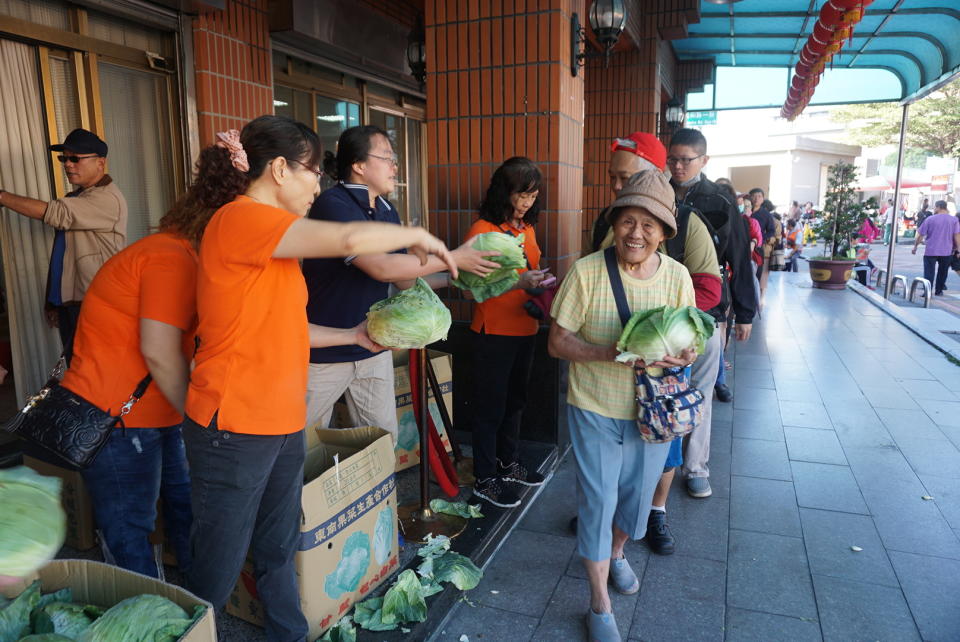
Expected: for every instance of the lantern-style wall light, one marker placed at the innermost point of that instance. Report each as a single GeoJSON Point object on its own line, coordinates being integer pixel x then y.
{"type": "Point", "coordinates": [674, 114]}
{"type": "Point", "coordinates": [417, 51]}
{"type": "Point", "coordinates": [607, 19]}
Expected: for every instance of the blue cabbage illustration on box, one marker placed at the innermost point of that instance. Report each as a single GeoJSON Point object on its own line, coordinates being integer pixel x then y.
{"type": "Point", "coordinates": [409, 438]}
{"type": "Point", "coordinates": [352, 566]}
{"type": "Point", "coordinates": [383, 536]}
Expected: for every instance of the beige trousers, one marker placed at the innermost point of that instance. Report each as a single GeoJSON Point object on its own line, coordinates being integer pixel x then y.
{"type": "Point", "coordinates": [367, 386]}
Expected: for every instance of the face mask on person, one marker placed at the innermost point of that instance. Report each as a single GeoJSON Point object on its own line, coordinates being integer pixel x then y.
{"type": "Point", "coordinates": [740, 207]}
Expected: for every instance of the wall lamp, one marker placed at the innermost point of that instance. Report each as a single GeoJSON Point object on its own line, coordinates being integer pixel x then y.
{"type": "Point", "coordinates": [417, 51]}
{"type": "Point", "coordinates": [607, 19]}
{"type": "Point", "coordinates": [674, 114]}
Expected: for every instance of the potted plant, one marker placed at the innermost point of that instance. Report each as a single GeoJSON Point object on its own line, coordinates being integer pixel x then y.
{"type": "Point", "coordinates": [843, 213]}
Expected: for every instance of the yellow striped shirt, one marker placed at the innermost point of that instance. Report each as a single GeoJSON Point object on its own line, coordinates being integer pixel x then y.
{"type": "Point", "coordinates": [585, 305]}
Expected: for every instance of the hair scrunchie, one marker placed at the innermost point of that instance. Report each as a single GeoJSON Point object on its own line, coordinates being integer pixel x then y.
{"type": "Point", "coordinates": [230, 140]}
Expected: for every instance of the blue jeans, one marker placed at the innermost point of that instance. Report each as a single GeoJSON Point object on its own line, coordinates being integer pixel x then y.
{"type": "Point", "coordinates": [136, 467]}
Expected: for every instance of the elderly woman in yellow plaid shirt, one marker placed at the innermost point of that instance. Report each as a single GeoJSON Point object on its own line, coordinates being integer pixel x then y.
{"type": "Point", "coordinates": [617, 471]}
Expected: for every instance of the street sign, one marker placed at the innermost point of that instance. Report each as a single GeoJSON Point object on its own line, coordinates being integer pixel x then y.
{"type": "Point", "coordinates": [700, 118]}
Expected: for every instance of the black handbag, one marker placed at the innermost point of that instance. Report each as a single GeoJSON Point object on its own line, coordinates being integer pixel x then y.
{"type": "Point", "coordinates": [67, 425]}
{"type": "Point", "coordinates": [668, 406]}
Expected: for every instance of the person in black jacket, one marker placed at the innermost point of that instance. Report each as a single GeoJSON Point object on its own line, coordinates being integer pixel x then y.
{"type": "Point", "coordinates": [686, 157]}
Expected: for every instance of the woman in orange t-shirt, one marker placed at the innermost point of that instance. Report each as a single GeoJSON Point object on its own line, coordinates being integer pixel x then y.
{"type": "Point", "coordinates": [246, 404]}
{"type": "Point", "coordinates": [138, 318]}
{"type": "Point", "coordinates": [504, 335]}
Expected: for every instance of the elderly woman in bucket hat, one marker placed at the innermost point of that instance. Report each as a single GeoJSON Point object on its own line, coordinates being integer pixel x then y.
{"type": "Point", "coordinates": [617, 471]}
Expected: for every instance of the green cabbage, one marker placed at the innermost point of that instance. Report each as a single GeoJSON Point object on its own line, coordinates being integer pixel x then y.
{"type": "Point", "coordinates": [405, 600]}
{"type": "Point", "coordinates": [32, 522]}
{"type": "Point", "coordinates": [66, 619]}
{"type": "Point", "coordinates": [651, 335]}
{"type": "Point", "coordinates": [15, 617]}
{"type": "Point", "coordinates": [144, 618]}
{"type": "Point", "coordinates": [460, 509]}
{"type": "Point", "coordinates": [511, 259]}
{"type": "Point", "coordinates": [411, 318]}
{"type": "Point", "coordinates": [342, 631]}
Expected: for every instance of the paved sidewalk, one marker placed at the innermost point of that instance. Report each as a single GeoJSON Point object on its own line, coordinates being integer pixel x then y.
{"type": "Point", "coordinates": [843, 422]}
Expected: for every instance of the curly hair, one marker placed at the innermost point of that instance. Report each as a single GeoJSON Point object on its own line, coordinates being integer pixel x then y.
{"type": "Point", "coordinates": [517, 175]}
{"type": "Point", "coordinates": [217, 182]}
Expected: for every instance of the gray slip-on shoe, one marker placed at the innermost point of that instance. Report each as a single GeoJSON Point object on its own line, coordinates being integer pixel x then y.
{"type": "Point", "coordinates": [622, 577]}
{"type": "Point", "coordinates": [699, 487]}
{"type": "Point", "coordinates": [602, 627]}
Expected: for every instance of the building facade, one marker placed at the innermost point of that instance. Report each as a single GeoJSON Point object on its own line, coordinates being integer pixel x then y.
{"type": "Point", "coordinates": [157, 79]}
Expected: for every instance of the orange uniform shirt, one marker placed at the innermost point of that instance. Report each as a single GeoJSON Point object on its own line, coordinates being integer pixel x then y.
{"type": "Point", "coordinates": [504, 314]}
{"type": "Point", "coordinates": [251, 365]}
{"type": "Point", "coordinates": [155, 278]}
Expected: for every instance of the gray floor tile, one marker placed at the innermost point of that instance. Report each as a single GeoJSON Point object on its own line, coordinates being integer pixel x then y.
{"type": "Point", "coordinates": [932, 457]}
{"type": "Point", "coordinates": [827, 487]}
{"type": "Point", "coordinates": [858, 426]}
{"type": "Point", "coordinates": [750, 398]}
{"type": "Point", "coordinates": [759, 458]}
{"type": "Point", "coordinates": [804, 414]}
{"type": "Point", "coordinates": [769, 573]}
{"type": "Point", "coordinates": [881, 468]}
{"type": "Point", "coordinates": [946, 495]}
{"type": "Point", "coordinates": [932, 587]}
{"type": "Point", "coordinates": [944, 413]}
{"type": "Point", "coordinates": [857, 611]}
{"type": "Point", "coordinates": [830, 536]}
{"type": "Point", "coordinates": [542, 558]}
{"type": "Point", "coordinates": [908, 523]}
{"type": "Point", "coordinates": [636, 553]}
{"type": "Point", "coordinates": [811, 444]}
{"type": "Point", "coordinates": [700, 526]}
{"type": "Point", "coordinates": [797, 390]}
{"type": "Point", "coordinates": [751, 626]}
{"type": "Point", "coordinates": [556, 503]}
{"type": "Point", "coordinates": [753, 377]}
{"type": "Point", "coordinates": [564, 617]}
{"type": "Point", "coordinates": [483, 622]}
{"type": "Point", "coordinates": [904, 425]}
{"type": "Point", "coordinates": [755, 362]}
{"type": "Point", "coordinates": [764, 505]}
{"type": "Point", "coordinates": [888, 397]}
{"type": "Point", "coordinates": [758, 424]}
{"type": "Point", "coordinates": [926, 389]}
{"type": "Point", "coordinates": [681, 598]}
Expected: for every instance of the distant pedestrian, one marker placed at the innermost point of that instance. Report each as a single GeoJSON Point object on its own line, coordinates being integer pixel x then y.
{"type": "Point", "coordinates": [942, 234]}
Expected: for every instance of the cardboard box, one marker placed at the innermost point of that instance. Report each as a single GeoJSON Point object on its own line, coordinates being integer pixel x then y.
{"type": "Point", "coordinates": [76, 503]}
{"type": "Point", "coordinates": [407, 449]}
{"type": "Point", "coordinates": [105, 585]}
{"type": "Point", "coordinates": [348, 535]}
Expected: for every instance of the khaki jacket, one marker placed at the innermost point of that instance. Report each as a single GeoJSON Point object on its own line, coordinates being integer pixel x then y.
{"type": "Point", "coordinates": [95, 222]}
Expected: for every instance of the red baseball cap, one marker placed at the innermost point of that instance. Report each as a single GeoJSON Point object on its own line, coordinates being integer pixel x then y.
{"type": "Point", "coordinates": [643, 145]}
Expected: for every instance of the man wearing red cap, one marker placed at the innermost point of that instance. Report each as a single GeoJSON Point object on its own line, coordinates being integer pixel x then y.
{"type": "Point", "coordinates": [90, 224]}
{"type": "Point", "coordinates": [694, 247]}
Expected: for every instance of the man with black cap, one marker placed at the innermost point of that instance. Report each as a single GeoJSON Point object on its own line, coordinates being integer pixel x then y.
{"type": "Point", "coordinates": [90, 224]}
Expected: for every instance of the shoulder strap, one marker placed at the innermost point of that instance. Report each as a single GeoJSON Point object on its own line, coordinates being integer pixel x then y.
{"type": "Point", "coordinates": [677, 246]}
{"type": "Point", "coordinates": [616, 284]}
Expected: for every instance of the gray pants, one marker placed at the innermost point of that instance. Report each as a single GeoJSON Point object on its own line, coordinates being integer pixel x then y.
{"type": "Point", "coordinates": [703, 376]}
{"type": "Point", "coordinates": [246, 496]}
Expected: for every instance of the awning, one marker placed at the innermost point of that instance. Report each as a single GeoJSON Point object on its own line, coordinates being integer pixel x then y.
{"type": "Point", "coordinates": [901, 51]}
{"type": "Point", "coordinates": [883, 184]}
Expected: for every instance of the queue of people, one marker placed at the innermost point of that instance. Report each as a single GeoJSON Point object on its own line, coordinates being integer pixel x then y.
{"type": "Point", "coordinates": [230, 346]}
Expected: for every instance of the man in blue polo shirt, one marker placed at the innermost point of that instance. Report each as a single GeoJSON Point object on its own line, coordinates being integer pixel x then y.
{"type": "Point", "coordinates": [342, 290]}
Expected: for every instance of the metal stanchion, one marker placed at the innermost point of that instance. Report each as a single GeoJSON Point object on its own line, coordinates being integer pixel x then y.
{"type": "Point", "coordinates": [463, 464]}
{"type": "Point", "coordinates": [418, 520]}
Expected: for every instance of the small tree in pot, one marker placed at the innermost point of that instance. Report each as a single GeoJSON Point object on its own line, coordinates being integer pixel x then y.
{"type": "Point", "coordinates": [843, 214]}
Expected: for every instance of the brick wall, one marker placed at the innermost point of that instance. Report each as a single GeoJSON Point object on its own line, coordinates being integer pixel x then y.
{"type": "Point", "coordinates": [234, 76]}
{"type": "Point", "coordinates": [499, 85]}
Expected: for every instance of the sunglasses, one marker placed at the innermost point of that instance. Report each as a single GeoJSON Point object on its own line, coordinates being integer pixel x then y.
{"type": "Point", "coordinates": [63, 158]}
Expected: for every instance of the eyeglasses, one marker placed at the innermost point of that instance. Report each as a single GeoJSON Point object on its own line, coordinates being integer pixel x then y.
{"type": "Point", "coordinates": [318, 172]}
{"type": "Point", "coordinates": [75, 159]}
{"type": "Point", "coordinates": [393, 159]}
{"type": "Point", "coordinates": [675, 160]}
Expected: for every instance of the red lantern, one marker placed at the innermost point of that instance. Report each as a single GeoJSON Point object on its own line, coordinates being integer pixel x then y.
{"type": "Point", "coordinates": [804, 69]}
{"type": "Point", "coordinates": [823, 32]}
{"type": "Point", "coordinates": [798, 82]}
{"type": "Point", "coordinates": [831, 15]}
{"type": "Point", "coordinates": [816, 46]}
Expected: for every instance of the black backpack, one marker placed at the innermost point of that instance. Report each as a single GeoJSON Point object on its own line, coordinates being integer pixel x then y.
{"type": "Point", "coordinates": [677, 246]}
